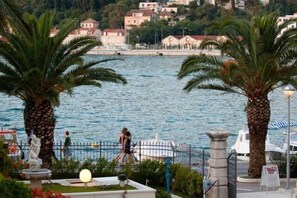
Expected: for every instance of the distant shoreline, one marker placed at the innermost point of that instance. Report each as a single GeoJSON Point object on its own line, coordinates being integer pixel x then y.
{"type": "Point", "coordinates": [152, 52]}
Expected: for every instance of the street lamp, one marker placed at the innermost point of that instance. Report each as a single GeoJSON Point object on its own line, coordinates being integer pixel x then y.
{"type": "Point", "coordinates": [288, 92]}
{"type": "Point", "coordinates": [137, 39]}
{"type": "Point", "coordinates": [183, 31]}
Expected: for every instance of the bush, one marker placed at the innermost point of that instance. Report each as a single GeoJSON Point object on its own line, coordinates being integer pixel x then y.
{"type": "Point", "coordinates": [151, 170]}
{"type": "Point", "coordinates": [65, 169]}
{"type": "Point", "coordinates": [12, 189]}
{"type": "Point", "coordinates": [282, 166]}
{"type": "Point", "coordinates": [5, 161]}
{"type": "Point", "coordinates": [162, 194]}
{"type": "Point", "coordinates": [186, 181]}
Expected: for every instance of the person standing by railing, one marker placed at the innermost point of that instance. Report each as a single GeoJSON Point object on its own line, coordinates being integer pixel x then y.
{"type": "Point", "coordinates": [67, 143]}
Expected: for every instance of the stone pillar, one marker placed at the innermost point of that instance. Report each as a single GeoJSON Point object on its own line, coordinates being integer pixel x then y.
{"type": "Point", "coordinates": [218, 164]}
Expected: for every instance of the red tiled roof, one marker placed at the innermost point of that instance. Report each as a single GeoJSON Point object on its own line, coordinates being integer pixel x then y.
{"type": "Point", "coordinates": [201, 37]}
{"type": "Point", "coordinates": [165, 13]}
{"type": "Point", "coordinates": [177, 36]}
{"type": "Point", "coordinates": [145, 12]}
{"type": "Point", "coordinates": [196, 37]}
{"type": "Point", "coordinates": [123, 31]}
{"type": "Point", "coordinates": [89, 20]}
{"type": "Point", "coordinates": [77, 31]}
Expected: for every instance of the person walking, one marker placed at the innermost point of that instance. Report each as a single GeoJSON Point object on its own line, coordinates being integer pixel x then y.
{"type": "Point", "coordinates": [67, 143]}
{"type": "Point", "coordinates": [127, 150]}
{"type": "Point", "coordinates": [121, 142]}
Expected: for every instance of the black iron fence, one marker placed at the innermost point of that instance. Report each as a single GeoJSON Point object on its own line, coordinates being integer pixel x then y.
{"type": "Point", "coordinates": [185, 154]}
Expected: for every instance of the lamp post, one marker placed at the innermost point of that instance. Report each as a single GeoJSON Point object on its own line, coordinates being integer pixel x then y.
{"type": "Point", "coordinates": [137, 39]}
{"type": "Point", "coordinates": [183, 31]}
{"type": "Point", "coordinates": [288, 92]}
{"type": "Point", "coordinates": [122, 178]}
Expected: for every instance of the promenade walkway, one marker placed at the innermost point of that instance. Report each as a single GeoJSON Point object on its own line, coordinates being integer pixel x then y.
{"type": "Point", "coordinates": [251, 188]}
{"type": "Point", "coordinates": [152, 52]}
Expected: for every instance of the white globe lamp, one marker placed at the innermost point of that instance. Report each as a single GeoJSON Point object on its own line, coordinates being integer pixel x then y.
{"type": "Point", "coordinates": [85, 176]}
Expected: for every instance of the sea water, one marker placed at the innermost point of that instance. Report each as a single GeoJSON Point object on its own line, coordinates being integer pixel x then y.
{"type": "Point", "coordinates": [152, 102]}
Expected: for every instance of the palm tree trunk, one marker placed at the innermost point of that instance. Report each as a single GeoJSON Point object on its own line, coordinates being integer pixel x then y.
{"type": "Point", "coordinates": [258, 116]}
{"type": "Point", "coordinates": [39, 120]}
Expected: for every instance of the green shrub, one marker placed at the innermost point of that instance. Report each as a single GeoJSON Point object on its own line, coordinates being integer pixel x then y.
{"type": "Point", "coordinates": [282, 166]}
{"type": "Point", "coordinates": [186, 181]}
{"type": "Point", "coordinates": [5, 161]}
{"type": "Point", "coordinates": [151, 170]}
{"type": "Point", "coordinates": [12, 189]}
{"type": "Point", "coordinates": [162, 194]}
{"type": "Point", "coordinates": [100, 168]}
{"type": "Point", "coordinates": [65, 169]}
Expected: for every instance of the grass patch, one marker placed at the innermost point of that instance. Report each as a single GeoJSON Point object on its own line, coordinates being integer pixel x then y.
{"type": "Point", "coordinates": [74, 189]}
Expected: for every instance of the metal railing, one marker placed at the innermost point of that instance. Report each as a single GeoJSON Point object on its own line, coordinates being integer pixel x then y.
{"type": "Point", "coordinates": [184, 154]}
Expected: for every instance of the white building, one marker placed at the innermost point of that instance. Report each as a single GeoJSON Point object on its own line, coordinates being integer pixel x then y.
{"type": "Point", "coordinates": [153, 6]}
{"type": "Point", "coordinates": [179, 2]}
{"type": "Point", "coordinates": [113, 38]}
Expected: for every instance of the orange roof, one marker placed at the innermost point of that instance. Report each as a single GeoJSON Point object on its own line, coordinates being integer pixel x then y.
{"type": "Point", "coordinates": [144, 12]}
{"type": "Point", "coordinates": [89, 20]}
{"type": "Point", "coordinates": [115, 30]}
{"type": "Point", "coordinates": [165, 13]}
{"type": "Point", "coordinates": [201, 37]}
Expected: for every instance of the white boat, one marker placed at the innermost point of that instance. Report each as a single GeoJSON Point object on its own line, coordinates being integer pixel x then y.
{"type": "Point", "coordinates": [293, 143]}
{"type": "Point", "coordinates": [242, 147]}
{"type": "Point", "coordinates": [154, 149]}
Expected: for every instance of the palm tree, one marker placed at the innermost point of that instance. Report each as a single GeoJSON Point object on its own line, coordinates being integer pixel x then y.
{"type": "Point", "coordinates": [38, 68]}
{"type": "Point", "coordinates": [256, 59]}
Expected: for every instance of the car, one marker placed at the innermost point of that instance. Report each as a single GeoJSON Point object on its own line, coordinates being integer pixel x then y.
{"type": "Point", "coordinates": [9, 138]}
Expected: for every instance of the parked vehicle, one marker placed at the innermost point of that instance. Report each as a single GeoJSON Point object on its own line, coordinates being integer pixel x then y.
{"type": "Point", "coordinates": [9, 138]}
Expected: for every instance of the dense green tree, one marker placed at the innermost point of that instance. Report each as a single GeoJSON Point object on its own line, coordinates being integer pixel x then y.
{"type": "Point", "coordinates": [38, 68]}
{"type": "Point", "coordinates": [258, 59]}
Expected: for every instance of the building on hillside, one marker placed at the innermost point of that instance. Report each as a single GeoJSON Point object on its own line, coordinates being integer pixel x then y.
{"type": "Point", "coordinates": [89, 23]}
{"type": "Point", "coordinates": [113, 38]}
{"type": "Point", "coordinates": [88, 27]}
{"type": "Point", "coordinates": [135, 17]}
{"type": "Point", "coordinates": [164, 15]}
{"type": "Point", "coordinates": [169, 9]}
{"type": "Point", "coordinates": [265, 2]}
{"type": "Point", "coordinates": [184, 42]}
{"type": "Point", "coordinates": [238, 4]}
{"type": "Point", "coordinates": [179, 2]}
{"type": "Point", "coordinates": [282, 19]}
{"type": "Point", "coordinates": [153, 6]}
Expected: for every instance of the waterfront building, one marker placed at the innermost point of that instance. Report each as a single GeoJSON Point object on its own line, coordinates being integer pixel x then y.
{"type": "Point", "coordinates": [113, 38]}
{"type": "Point", "coordinates": [184, 42]}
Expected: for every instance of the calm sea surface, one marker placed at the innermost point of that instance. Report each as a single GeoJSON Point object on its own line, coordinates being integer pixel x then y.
{"type": "Point", "coordinates": [152, 102]}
